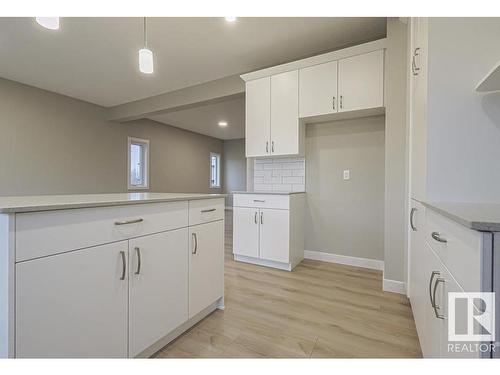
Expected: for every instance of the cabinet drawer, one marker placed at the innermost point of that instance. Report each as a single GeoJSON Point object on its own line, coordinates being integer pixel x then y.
{"type": "Point", "coordinates": [262, 201]}
{"type": "Point", "coordinates": [40, 234]}
{"type": "Point", "coordinates": [460, 253]}
{"type": "Point", "coordinates": [205, 210]}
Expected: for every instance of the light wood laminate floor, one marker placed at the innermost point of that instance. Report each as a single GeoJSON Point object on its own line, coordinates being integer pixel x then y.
{"type": "Point", "coordinates": [318, 310]}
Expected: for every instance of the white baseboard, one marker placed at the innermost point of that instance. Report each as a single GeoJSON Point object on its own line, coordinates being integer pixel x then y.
{"type": "Point", "coordinates": [394, 286]}
{"type": "Point", "coordinates": [344, 259]}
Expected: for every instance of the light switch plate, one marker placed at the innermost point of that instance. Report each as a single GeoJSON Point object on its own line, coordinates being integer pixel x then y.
{"type": "Point", "coordinates": [346, 174]}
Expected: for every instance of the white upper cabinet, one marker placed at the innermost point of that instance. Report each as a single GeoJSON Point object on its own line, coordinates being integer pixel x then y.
{"type": "Point", "coordinates": [285, 113]}
{"type": "Point", "coordinates": [361, 81]}
{"type": "Point", "coordinates": [258, 117]}
{"type": "Point", "coordinates": [318, 90]}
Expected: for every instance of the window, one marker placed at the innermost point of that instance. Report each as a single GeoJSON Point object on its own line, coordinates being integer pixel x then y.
{"type": "Point", "coordinates": [214, 170]}
{"type": "Point", "coordinates": [138, 163]}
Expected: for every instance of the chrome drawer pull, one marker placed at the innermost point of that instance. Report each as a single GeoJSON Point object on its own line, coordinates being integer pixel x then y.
{"type": "Point", "coordinates": [255, 218]}
{"type": "Point", "coordinates": [195, 238]}
{"type": "Point", "coordinates": [436, 307]}
{"type": "Point", "coordinates": [259, 201]}
{"type": "Point", "coordinates": [262, 217]}
{"type": "Point", "coordinates": [125, 222]}
{"type": "Point", "coordinates": [434, 273]}
{"type": "Point", "coordinates": [210, 210]}
{"type": "Point", "coordinates": [438, 237]}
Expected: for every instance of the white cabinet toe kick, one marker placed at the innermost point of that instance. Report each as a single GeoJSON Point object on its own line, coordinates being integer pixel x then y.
{"type": "Point", "coordinates": [111, 282]}
{"type": "Point", "coordinates": [268, 230]}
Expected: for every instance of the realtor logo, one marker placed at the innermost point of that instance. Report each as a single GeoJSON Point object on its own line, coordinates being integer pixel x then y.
{"type": "Point", "coordinates": [471, 316]}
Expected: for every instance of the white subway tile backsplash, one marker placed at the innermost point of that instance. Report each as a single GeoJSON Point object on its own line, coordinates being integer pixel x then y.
{"type": "Point", "coordinates": [279, 174]}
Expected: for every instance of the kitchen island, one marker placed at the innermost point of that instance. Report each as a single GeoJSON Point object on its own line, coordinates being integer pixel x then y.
{"type": "Point", "coordinates": [107, 275]}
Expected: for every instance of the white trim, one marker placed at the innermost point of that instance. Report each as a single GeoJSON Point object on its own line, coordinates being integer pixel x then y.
{"type": "Point", "coordinates": [394, 286]}
{"type": "Point", "coordinates": [263, 262]}
{"type": "Point", "coordinates": [144, 142]}
{"type": "Point", "coordinates": [318, 59]}
{"type": "Point", "coordinates": [344, 259]}
{"type": "Point", "coordinates": [219, 172]}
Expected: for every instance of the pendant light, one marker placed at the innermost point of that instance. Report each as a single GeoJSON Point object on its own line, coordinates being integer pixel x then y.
{"type": "Point", "coordinates": [145, 54]}
{"type": "Point", "coordinates": [51, 23]}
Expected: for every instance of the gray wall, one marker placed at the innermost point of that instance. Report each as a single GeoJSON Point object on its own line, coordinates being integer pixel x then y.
{"type": "Point", "coordinates": [234, 167]}
{"type": "Point", "coordinates": [395, 152]}
{"type": "Point", "coordinates": [346, 217]}
{"type": "Point", "coordinates": [52, 144]}
{"type": "Point", "coordinates": [464, 126]}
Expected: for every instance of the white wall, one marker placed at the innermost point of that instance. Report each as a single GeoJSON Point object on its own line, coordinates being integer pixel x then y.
{"type": "Point", "coordinates": [464, 126]}
{"type": "Point", "coordinates": [346, 217]}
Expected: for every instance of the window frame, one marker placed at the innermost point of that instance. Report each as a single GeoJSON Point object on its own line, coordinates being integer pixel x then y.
{"type": "Point", "coordinates": [210, 184]}
{"type": "Point", "coordinates": [145, 144]}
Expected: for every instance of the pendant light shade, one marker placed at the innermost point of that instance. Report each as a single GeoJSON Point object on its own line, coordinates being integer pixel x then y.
{"type": "Point", "coordinates": [146, 64]}
{"type": "Point", "coordinates": [146, 61]}
{"type": "Point", "coordinates": [51, 23]}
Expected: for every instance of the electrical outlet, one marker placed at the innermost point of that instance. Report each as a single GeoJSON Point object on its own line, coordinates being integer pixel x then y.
{"type": "Point", "coordinates": [346, 174]}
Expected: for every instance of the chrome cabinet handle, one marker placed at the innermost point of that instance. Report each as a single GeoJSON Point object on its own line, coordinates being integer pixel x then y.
{"type": "Point", "coordinates": [124, 265]}
{"type": "Point", "coordinates": [259, 201]}
{"type": "Point", "coordinates": [413, 228]}
{"type": "Point", "coordinates": [435, 306]}
{"type": "Point", "coordinates": [341, 102]}
{"type": "Point", "coordinates": [272, 146]}
{"type": "Point", "coordinates": [434, 273]}
{"type": "Point", "coordinates": [333, 103]}
{"type": "Point", "coordinates": [195, 239]}
{"type": "Point", "coordinates": [267, 147]}
{"type": "Point", "coordinates": [414, 68]}
{"type": "Point", "coordinates": [125, 222]}
{"type": "Point", "coordinates": [438, 237]}
{"type": "Point", "coordinates": [138, 251]}
{"type": "Point", "coordinates": [255, 217]}
{"type": "Point", "coordinates": [210, 210]}
{"type": "Point", "coordinates": [262, 217]}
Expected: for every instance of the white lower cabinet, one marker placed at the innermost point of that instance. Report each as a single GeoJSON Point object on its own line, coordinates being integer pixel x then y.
{"type": "Point", "coordinates": [269, 229]}
{"type": "Point", "coordinates": [206, 265]}
{"type": "Point", "coordinates": [158, 292]}
{"type": "Point", "coordinates": [73, 304]}
{"type": "Point", "coordinates": [430, 284]}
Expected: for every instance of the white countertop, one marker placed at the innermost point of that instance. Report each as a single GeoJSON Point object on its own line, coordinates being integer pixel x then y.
{"type": "Point", "coordinates": [483, 217]}
{"type": "Point", "coordinates": [269, 192]}
{"type": "Point", "coordinates": [60, 202]}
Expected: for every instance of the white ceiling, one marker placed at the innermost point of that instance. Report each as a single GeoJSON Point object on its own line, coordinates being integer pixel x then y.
{"type": "Point", "coordinates": [205, 119]}
{"type": "Point", "coordinates": [95, 59]}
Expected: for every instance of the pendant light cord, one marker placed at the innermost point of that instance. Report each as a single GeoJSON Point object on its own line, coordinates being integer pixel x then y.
{"type": "Point", "coordinates": [145, 33]}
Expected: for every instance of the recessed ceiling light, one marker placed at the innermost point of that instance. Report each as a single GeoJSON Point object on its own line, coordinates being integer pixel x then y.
{"type": "Point", "coordinates": [230, 19]}
{"type": "Point", "coordinates": [223, 123]}
{"type": "Point", "coordinates": [51, 23]}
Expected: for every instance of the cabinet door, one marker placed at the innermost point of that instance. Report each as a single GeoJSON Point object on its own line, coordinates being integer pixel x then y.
{"type": "Point", "coordinates": [246, 231]}
{"type": "Point", "coordinates": [433, 274]}
{"type": "Point", "coordinates": [418, 288]}
{"type": "Point", "coordinates": [275, 235]}
{"type": "Point", "coordinates": [418, 109]}
{"type": "Point", "coordinates": [206, 265]}
{"type": "Point", "coordinates": [318, 89]}
{"type": "Point", "coordinates": [361, 82]}
{"type": "Point", "coordinates": [73, 304]}
{"type": "Point", "coordinates": [285, 113]}
{"type": "Point", "coordinates": [258, 117]}
{"type": "Point", "coordinates": [158, 275]}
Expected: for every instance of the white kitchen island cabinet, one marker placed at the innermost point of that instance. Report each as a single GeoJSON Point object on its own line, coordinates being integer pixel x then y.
{"type": "Point", "coordinates": [108, 275]}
